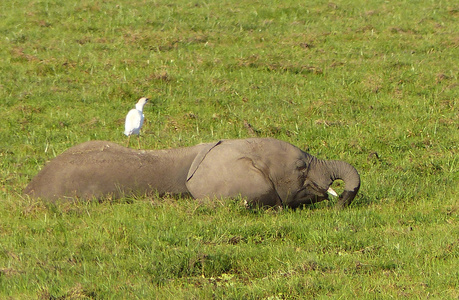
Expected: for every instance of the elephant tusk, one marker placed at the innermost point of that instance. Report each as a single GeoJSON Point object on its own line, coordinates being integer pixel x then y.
{"type": "Point", "coordinates": [332, 192]}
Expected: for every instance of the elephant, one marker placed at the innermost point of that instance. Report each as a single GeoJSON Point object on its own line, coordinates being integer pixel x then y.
{"type": "Point", "coordinates": [265, 171]}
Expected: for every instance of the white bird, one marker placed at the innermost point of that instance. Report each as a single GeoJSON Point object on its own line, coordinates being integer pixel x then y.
{"type": "Point", "coordinates": [134, 120]}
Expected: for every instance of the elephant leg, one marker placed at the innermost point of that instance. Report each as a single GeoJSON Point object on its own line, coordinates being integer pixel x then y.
{"type": "Point", "coordinates": [226, 174]}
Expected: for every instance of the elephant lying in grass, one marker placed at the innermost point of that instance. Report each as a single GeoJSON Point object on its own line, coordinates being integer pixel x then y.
{"type": "Point", "coordinates": [267, 172]}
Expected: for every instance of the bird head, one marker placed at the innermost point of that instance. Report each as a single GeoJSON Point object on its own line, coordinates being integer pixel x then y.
{"type": "Point", "coordinates": [142, 101]}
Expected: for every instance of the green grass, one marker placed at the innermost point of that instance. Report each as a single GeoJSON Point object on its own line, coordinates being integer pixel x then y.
{"type": "Point", "coordinates": [374, 83]}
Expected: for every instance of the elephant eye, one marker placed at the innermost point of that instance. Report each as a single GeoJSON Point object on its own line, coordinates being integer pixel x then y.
{"type": "Point", "coordinates": [300, 165]}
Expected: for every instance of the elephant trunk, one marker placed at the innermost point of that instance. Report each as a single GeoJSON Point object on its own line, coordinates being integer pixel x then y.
{"type": "Point", "coordinates": [344, 171]}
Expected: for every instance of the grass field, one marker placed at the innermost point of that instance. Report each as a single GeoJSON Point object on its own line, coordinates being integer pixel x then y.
{"type": "Point", "coordinates": [374, 83]}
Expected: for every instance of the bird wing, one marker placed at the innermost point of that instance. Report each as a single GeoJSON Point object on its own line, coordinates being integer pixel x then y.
{"type": "Point", "coordinates": [134, 120]}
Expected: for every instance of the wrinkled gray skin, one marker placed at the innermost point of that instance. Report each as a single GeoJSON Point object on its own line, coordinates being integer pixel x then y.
{"type": "Point", "coordinates": [266, 171]}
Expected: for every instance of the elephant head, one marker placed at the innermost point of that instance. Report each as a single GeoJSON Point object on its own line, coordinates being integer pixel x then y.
{"type": "Point", "coordinates": [268, 172]}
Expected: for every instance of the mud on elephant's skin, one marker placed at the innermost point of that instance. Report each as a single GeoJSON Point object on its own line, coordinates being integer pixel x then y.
{"type": "Point", "coordinates": [268, 172]}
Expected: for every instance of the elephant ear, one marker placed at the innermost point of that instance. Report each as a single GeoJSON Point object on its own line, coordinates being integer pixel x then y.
{"type": "Point", "coordinates": [199, 158]}
{"type": "Point", "coordinates": [230, 171]}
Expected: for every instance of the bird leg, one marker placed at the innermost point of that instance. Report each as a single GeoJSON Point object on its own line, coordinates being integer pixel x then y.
{"type": "Point", "coordinates": [138, 139]}
{"type": "Point", "coordinates": [127, 144]}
